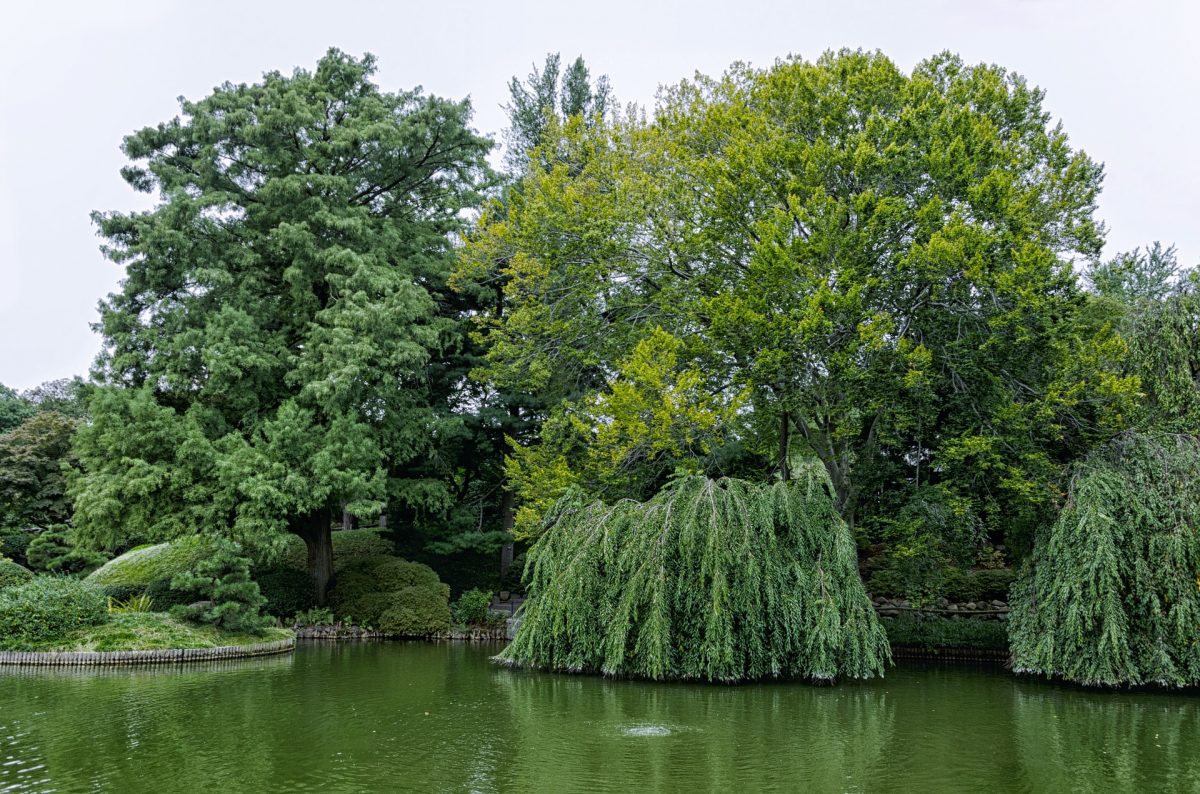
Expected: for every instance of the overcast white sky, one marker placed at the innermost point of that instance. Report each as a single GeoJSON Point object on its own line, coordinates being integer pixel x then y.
{"type": "Point", "coordinates": [76, 77]}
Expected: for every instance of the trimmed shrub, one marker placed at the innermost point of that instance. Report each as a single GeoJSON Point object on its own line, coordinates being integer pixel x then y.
{"type": "Point", "coordinates": [227, 597]}
{"type": "Point", "coordinates": [392, 573]}
{"type": "Point", "coordinates": [471, 608]}
{"type": "Point", "coordinates": [47, 608]}
{"type": "Point", "coordinates": [12, 574]}
{"type": "Point", "coordinates": [351, 547]}
{"type": "Point", "coordinates": [416, 612]}
{"type": "Point", "coordinates": [165, 597]}
{"type": "Point", "coordinates": [287, 590]}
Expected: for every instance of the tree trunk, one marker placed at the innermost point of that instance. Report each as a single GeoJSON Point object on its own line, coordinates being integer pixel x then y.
{"type": "Point", "coordinates": [507, 510]}
{"type": "Point", "coordinates": [317, 534]}
{"type": "Point", "coordinates": [785, 472]}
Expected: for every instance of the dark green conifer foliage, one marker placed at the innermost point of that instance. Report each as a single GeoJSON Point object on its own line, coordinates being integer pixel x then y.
{"type": "Point", "coordinates": [716, 580]}
{"type": "Point", "coordinates": [1111, 593]}
{"type": "Point", "coordinates": [225, 595]}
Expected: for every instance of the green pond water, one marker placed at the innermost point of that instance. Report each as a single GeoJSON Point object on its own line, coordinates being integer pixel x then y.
{"type": "Point", "coordinates": [441, 717]}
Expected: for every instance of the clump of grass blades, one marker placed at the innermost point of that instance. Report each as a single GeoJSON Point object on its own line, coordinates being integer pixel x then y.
{"type": "Point", "coordinates": [715, 580]}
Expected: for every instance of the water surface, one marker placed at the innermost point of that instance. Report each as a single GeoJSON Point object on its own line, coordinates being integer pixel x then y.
{"type": "Point", "coordinates": [426, 717]}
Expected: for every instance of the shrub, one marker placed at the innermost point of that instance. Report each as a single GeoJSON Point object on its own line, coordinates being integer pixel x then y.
{"type": "Point", "coordinates": [47, 608]}
{"type": "Point", "coordinates": [228, 598]}
{"type": "Point", "coordinates": [917, 631]}
{"type": "Point", "coordinates": [365, 609]}
{"type": "Point", "coordinates": [123, 592]}
{"type": "Point", "coordinates": [53, 551]}
{"type": "Point", "coordinates": [392, 573]}
{"type": "Point", "coordinates": [287, 590]}
{"type": "Point", "coordinates": [978, 585]}
{"type": "Point", "coordinates": [12, 574]}
{"type": "Point", "coordinates": [13, 544]}
{"type": "Point", "coordinates": [317, 616]}
{"type": "Point", "coordinates": [471, 608]}
{"type": "Point", "coordinates": [351, 547]}
{"type": "Point", "coordinates": [416, 612]}
{"type": "Point", "coordinates": [165, 597]}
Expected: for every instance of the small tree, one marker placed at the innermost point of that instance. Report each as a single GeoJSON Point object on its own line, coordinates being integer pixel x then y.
{"type": "Point", "coordinates": [225, 595]}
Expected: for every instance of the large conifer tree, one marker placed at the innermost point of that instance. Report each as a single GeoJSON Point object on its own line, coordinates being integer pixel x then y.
{"type": "Point", "coordinates": [266, 357]}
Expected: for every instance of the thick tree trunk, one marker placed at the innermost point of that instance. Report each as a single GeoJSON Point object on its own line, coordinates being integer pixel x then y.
{"type": "Point", "coordinates": [317, 533]}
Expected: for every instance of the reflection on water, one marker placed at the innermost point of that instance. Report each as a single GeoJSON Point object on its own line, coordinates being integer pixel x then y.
{"type": "Point", "coordinates": [422, 717]}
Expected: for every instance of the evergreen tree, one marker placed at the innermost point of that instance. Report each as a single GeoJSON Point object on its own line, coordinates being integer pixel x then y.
{"type": "Point", "coordinates": [221, 591]}
{"type": "Point", "coordinates": [268, 356]}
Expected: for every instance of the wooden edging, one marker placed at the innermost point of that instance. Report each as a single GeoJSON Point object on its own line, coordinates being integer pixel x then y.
{"type": "Point", "coordinates": [951, 654]}
{"type": "Point", "coordinates": [165, 656]}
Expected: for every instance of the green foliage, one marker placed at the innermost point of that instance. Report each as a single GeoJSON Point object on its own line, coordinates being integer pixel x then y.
{"type": "Point", "coordinates": [137, 603]}
{"type": "Point", "coordinates": [55, 551]}
{"type": "Point", "coordinates": [1136, 277]}
{"type": "Point", "coordinates": [296, 263]}
{"type": "Point", "coordinates": [14, 542]}
{"type": "Point", "coordinates": [844, 260]}
{"type": "Point", "coordinates": [287, 590]}
{"type": "Point", "coordinates": [548, 95]}
{"type": "Point", "coordinates": [370, 589]}
{"type": "Point", "coordinates": [34, 459]}
{"type": "Point", "coordinates": [46, 608]}
{"type": "Point", "coordinates": [143, 566]}
{"type": "Point", "coordinates": [317, 616]}
{"type": "Point", "coordinates": [140, 631]}
{"type": "Point", "coordinates": [1111, 594]}
{"type": "Point", "coordinates": [14, 409]}
{"type": "Point", "coordinates": [1164, 353]}
{"type": "Point", "coordinates": [714, 580]}
{"type": "Point", "coordinates": [227, 597]}
{"type": "Point", "coordinates": [415, 612]}
{"type": "Point", "coordinates": [953, 584]}
{"type": "Point", "coordinates": [471, 608]}
{"type": "Point", "coordinates": [12, 574]}
{"type": "Point", "coordinates": [929, 632]}
{"type": "Point", "coordinates": [351, 548]}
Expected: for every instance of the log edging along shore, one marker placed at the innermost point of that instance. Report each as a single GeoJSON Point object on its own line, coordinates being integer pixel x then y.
{"type": "Point", "coordinates": [161, 656]}
{"type": "Point", "coordinates": [958, 654]}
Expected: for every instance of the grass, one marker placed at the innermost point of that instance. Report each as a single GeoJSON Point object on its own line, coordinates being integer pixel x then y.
{"type": "Point", "coordinates": [145, 631]}
{"type": "Point", "coordinates": [936, 632]}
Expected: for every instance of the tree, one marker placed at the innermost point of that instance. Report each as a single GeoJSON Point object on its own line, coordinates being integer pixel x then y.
{"type": "Point", "coordinates": [1137, 276]}
{"type": "Point", "coordinates": [718, 580]}
{"type": "Point", "coordinates": [548, 94]}
{"type": "Point", "coordinates": [878, 265]}
{"type": "Point", "coordinates": [267, 358]}
{"type": "Point", "coordinates": [221, 592]}
{"type": "Point", "coordinates": [35, 458]}
{"type": "Point", "coordinates": [14, 409]}
{"type": "Point", "coordinates": [1110, 594]}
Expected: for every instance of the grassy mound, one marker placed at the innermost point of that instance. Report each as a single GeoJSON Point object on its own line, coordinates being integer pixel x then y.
{"type": "Point", "coordinates": [145, 565]}
{"type": "Point", "coordinates": [145, 631]}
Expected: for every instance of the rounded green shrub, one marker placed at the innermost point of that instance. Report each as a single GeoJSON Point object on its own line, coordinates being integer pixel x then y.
{"type": "Point", "coordinates": [471, 608]}
{"type": "Point", "coordinates": [48, 608]}
{"type": "Point", "coordinates": [365, 609]}
{"type": "Point", "coordinates": [12, 574]}
{"type": "Point", "coordinates": [54, 551]}
{"type": "Point", "coordinates": [351, 548]}
{"type": "Point", "coordinates": [416, 612]}
{"type": "Point", "coordinates": [287, 590]}
{"type": "Point", "coordinates": [392, 573]}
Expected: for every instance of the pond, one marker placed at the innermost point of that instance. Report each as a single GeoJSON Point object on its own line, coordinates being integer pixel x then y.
{"type": "Point", "coordinates": [441, 717]}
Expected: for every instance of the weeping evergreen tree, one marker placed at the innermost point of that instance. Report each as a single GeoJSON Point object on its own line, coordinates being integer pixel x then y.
{"type": "Point", "coordinates": [717, 580]}
{"type": "Point", "coordinates": [1111, 594]}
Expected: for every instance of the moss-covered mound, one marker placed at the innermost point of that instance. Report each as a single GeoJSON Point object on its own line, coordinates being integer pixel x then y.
{"type": "Point", "coordinates": [1111, 594]}
{"type": "Point", "coordinates": [716, 580]}
{"type": "Point", "coordinates": [284, 579]}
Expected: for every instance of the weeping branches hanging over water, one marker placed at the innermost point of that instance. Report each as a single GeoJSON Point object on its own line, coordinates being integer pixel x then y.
{"type": "Point", "coordinates": [1111, 594]}
{"type": "Point", "coordinates": [716, 580]}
